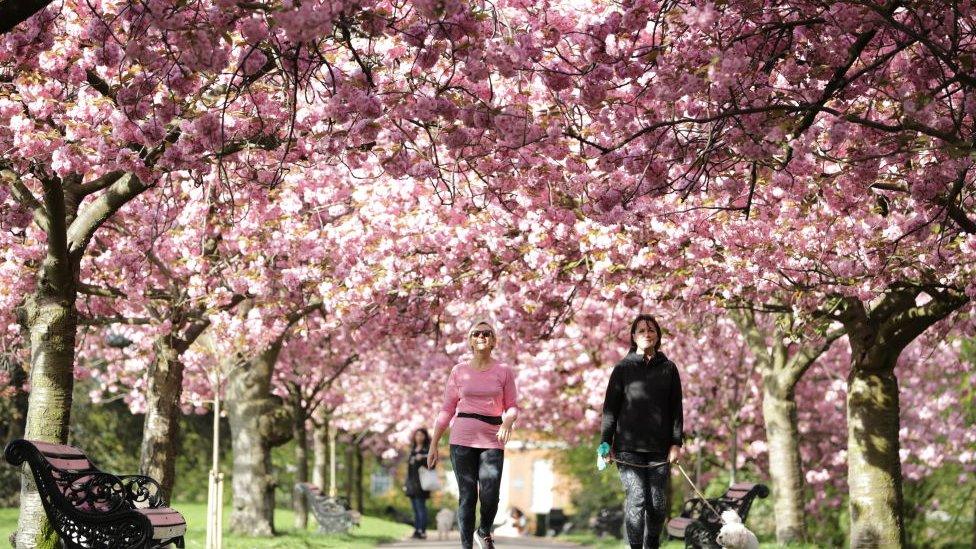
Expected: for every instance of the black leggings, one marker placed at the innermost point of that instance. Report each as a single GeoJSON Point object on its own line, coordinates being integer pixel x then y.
{"type": "Point", "coordinates": [644, 505]}
{"type": "Point", "coordinates": [479, 476]}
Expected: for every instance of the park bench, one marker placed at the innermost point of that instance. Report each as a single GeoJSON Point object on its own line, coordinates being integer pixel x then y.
{"type": "Point", "coordinates": [92, 509]}
{"type": "Point", "coordinates": [698, 525]}
{"type": "Point", "coordinates": [333, 514]}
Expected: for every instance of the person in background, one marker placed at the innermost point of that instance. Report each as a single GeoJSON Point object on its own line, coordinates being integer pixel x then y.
{"type": "Point", "coordinates": [419, 447]}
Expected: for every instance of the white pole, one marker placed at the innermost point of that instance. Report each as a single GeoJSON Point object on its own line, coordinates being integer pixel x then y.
{"type": "Point", "coordinates": [220, 510]}
{"type": "Point", "coordinates": [215, 499]}
{"type": "Point", "coordinates": [210, 501]}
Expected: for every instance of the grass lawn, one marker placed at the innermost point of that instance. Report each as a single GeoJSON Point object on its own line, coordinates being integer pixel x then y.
{"type": "Point", "coordinates": [371, 532]}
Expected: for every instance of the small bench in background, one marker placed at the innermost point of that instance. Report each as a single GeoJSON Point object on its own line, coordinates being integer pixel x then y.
{"type": "Point", "coordinates": [91, 509]}
{"type": "Point", "coordinates": [332, 514]}
{"type": "Point", "coordinates": [698, 525]}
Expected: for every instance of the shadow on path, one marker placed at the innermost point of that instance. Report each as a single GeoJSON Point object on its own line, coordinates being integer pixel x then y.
{"type": "Point", "coordinates": [500, 542]}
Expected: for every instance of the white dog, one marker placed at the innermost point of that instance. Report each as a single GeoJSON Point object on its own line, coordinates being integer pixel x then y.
{"type": "Point", "coordinates": [734, 534]}
{"type": "Point", "coordinates": [445, 521]}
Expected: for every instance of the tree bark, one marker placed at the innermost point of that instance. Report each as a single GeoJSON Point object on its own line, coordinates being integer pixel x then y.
{"type": "Point", "coordinates": [785, 471]}
{"type": "Point", "coordinates": [320, 446]}
{"type": "Point", "coordinates": [52, 321]}
{"type": "Point", "coordinates": [161, 429]}
{"type": "Point", "coordinates": [874, 469]}
{"type": "Point", "coordinates": [258, 422]}
{"type": "Point", "coordinates": [350, 470]}
{"type": "Point", "coordinates": [359, 478]}
{"type": "Point", "coordinates": [300, 435]}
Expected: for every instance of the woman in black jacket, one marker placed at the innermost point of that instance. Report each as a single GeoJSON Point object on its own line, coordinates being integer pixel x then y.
{"type": "Point", "coordinates": [419, 447]}
{"type": "Point", "coordinates": [642, 427]}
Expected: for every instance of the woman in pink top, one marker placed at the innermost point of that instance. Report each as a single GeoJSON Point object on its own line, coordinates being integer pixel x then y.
{"type": "Point", "coordinates": [480, 397]}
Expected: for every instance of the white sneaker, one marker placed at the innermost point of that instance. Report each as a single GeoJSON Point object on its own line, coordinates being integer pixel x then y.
{"type": "Point", "coordinates": [484, 540]}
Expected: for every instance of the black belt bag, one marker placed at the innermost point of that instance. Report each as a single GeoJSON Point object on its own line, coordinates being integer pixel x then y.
{"type": "Point", "coordinates": [494, 420]}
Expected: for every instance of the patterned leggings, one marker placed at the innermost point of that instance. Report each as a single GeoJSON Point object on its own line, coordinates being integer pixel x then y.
{"type": "Point", "coordinates": [479, 477]}
{"type": "Point", "coordinates": [644, 504]}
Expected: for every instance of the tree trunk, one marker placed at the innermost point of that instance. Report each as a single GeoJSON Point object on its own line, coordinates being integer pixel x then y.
{"type": "Point", "coordinates": [320, 445]}
{"type": "Point", "coordinates": [781, 371]}
{"type": "Point", "coordinates": [161, 430]}
{"type": "Point", "coordinates": [877, 337]}
{"type": "Point", "coordinates": [258, 422]}
{"type": "Point", "coordinates": [786, 474]}
{"type": "Point", "coordinates": [51, 311]}
{"type": "Point", "coordinates": [300, 435]}
{"type": "Point", "coordinates": [350, 471]}
{"type": "Point", "coordinates": [359, 478]}
{"type": "Point", "coordinates": [874, 469]}
{"type": "Point", "coordinates": [52, 321]}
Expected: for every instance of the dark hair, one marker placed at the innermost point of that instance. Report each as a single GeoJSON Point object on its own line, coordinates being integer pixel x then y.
{"type": "Point", "coordinates": [413, 438]}
{"type": "Point", "coordinates": [633, 328]}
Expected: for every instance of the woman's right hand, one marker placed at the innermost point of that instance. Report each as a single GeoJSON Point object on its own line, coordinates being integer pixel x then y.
{"type": "Point", "coordinates": [432, 458]}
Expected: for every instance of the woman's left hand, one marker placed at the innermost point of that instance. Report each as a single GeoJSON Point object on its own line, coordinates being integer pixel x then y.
{"type": "Point", "coordinates": [673, 454]}
{"type": "Point", "coordinates": [504, 433]}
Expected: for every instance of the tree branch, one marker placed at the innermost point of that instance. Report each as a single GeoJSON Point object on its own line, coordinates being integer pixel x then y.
{"type": "Point", "coordinates": [89, 289]}
{"type": "Point", "coordinates": [99, 184]}
{"type": "Point", "coordinates": [100, 85]}
{"type": "Point", "coordinates": [57, 262]}
{"type": "Point", "coordinates": [109, 320]}
{"type": "Point", "coordinates": [118, 194]}
{"type": "Point", "coordinates": [23, 195]}
{"type": "Point", "coordinates": [903, 326]}
{"type": "Point", "coordinates": [807, 354]}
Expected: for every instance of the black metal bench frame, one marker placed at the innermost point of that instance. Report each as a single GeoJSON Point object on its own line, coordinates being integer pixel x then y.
{"type": "Point", "coordinates": [89, 508]}
{"type": "Point", "coordinates": [700, 525]}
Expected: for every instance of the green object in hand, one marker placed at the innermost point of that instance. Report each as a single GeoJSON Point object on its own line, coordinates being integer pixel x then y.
{"type": "Point", "coordinates": [603, 450]}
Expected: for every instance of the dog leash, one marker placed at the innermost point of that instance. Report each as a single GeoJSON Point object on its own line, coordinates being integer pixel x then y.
{"type": "Point", "coordinates": [653, 465]}
{"type": "Point", "coordinates": [700, 495]}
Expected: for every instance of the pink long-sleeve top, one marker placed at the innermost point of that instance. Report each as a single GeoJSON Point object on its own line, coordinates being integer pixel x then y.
{"type": "Point", "coordinates": [490, 393]}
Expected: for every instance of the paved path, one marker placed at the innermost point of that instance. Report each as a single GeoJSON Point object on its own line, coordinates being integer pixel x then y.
{"type": "Point", "coordinates": [500, 543]}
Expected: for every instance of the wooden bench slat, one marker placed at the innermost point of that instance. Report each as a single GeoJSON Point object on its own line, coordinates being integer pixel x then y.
{"type": "Point", "coordinates": [50, 449]}
{"type": "Point", "coordinates": [77, 464]}
{"type": "Point", "coordinates": [677, 526]}
{"type": "Point", "coordinates": [166, 522]}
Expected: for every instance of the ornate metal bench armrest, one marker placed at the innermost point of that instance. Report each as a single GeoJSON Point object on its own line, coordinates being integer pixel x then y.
{"type": "Point", "coordinates": [142, 491]}
{"type": "Point", "coordinates": [94, 491]}
{"type": "Point", "coordinates": [693, 508]}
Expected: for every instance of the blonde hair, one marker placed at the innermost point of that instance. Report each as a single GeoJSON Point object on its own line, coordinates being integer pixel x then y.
{"type": "Point", "coordinates": [479, 321]}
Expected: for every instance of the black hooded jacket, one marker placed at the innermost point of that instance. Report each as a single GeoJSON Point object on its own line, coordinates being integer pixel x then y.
{"type": "Point", "coordinates": [642, 410]}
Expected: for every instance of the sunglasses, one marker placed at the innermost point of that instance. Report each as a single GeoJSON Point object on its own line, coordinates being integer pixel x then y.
{"type": "Point", "coordinates": [484, 333]}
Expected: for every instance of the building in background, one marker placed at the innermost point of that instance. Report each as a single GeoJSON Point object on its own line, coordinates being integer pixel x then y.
{"type": "Point", "coordinates": [532, 483]}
